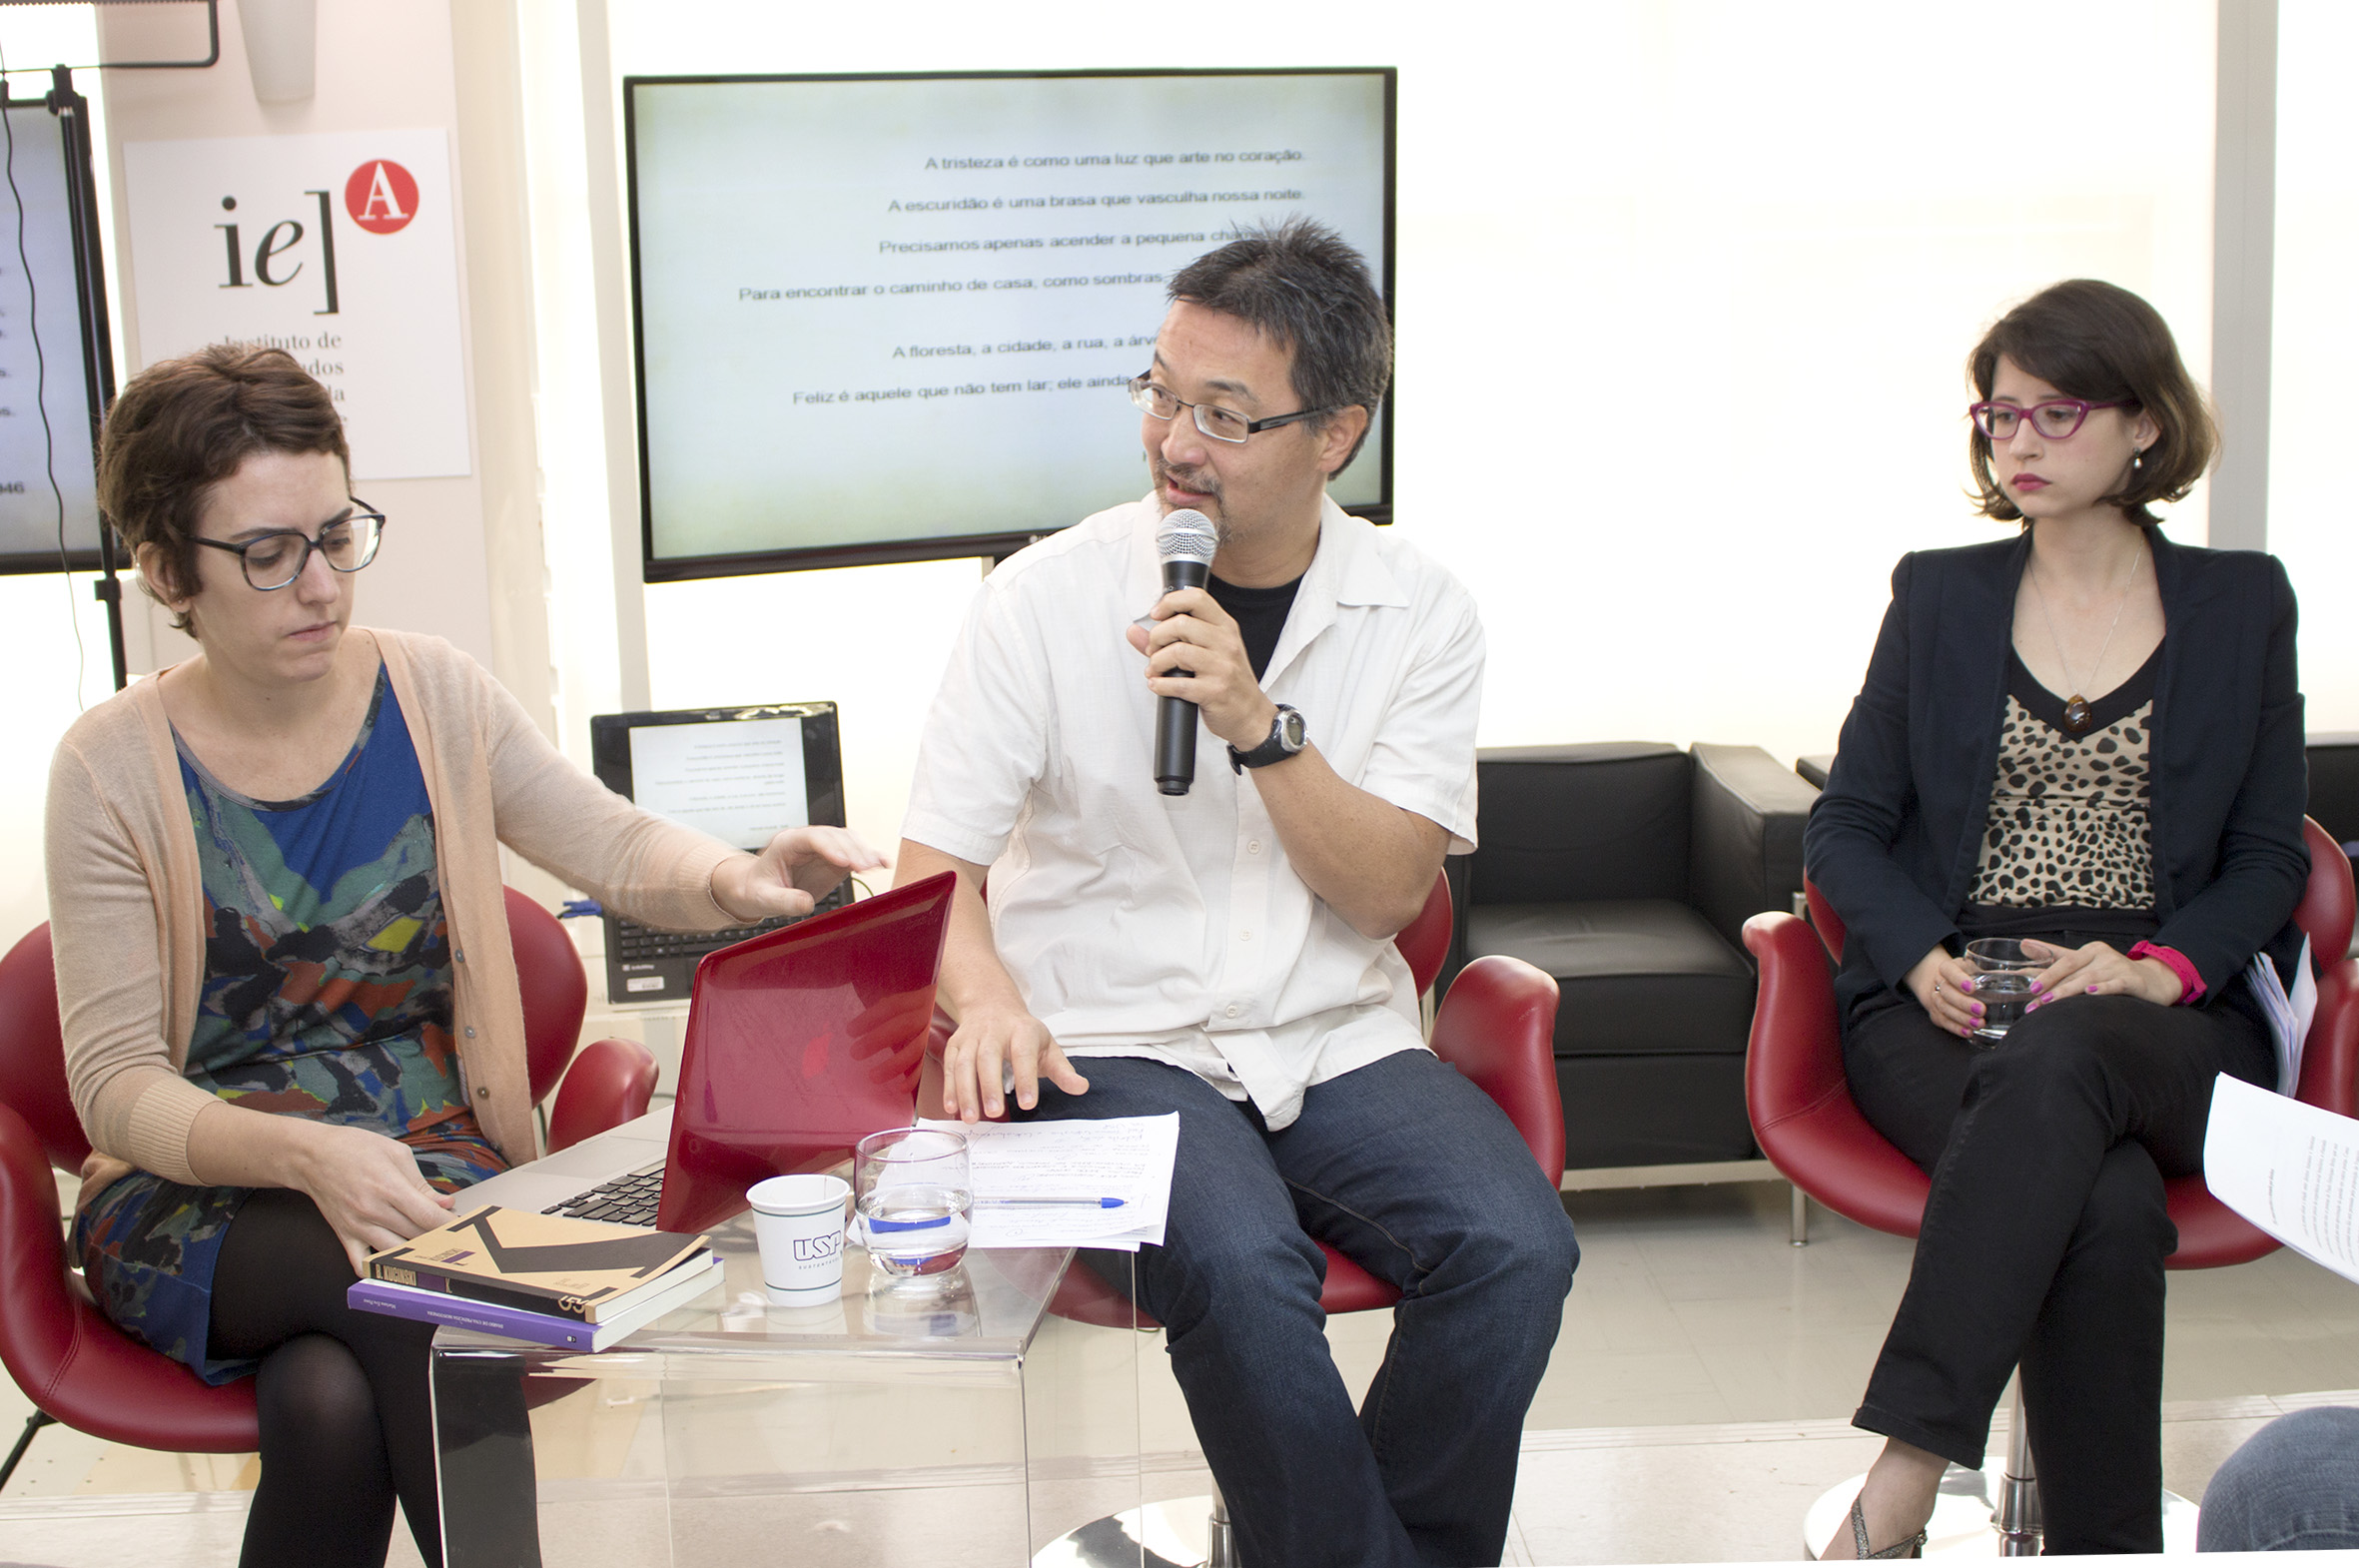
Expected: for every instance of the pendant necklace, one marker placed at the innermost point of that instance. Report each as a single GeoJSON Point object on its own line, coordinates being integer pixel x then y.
{"type": "Point", "coordinates": [2079, 715]}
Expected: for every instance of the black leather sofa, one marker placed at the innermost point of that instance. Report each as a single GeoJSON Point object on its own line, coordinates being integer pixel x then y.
{"type": "Point", "coordinates": [1627, 871]}
{"type": "Point", "coordinates": [2334, 783]}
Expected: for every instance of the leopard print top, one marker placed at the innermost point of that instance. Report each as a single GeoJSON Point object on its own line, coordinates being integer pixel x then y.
{"type": "Point", "coordinates": [2069, 821]}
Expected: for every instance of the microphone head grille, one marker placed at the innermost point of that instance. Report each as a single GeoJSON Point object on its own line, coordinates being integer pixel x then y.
{"type": "Point", "coordinates": [1187, 534]}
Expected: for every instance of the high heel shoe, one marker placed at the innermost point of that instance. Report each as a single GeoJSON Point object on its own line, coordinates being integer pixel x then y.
{"type": "Point", "coordinates": [1914, 1546]}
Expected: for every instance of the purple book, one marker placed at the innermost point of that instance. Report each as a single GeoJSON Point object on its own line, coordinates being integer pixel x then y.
{"type": "Point", "coordinates": [564, 1333]}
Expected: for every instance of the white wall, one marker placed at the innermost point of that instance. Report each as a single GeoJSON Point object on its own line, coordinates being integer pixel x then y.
{"type": "Point", "coordinates": [50, 681]}
{"type": "Point", "coordinates": [2312, 400]}
{"type": "Point", "coordinates": [1685, 290]}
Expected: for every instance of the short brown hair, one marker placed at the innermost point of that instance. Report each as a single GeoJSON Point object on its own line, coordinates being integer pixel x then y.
{"type": "Point", "coordinates": [182, 425]}
{"type": "Point", "coordinates": [2101, 342]}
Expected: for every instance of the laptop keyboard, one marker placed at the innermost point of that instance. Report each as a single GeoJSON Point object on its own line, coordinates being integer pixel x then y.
{"type": "Point", "coordinates": [628, 1200]}
{"type": "Point", "coordinates": [636, 943]}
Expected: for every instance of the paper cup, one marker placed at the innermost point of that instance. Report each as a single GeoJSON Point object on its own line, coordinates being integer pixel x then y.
{"type": "Point", "coordinates": [799, 1223]}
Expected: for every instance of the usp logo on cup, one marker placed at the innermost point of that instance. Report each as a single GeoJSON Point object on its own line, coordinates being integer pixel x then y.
{"type": "Point", "coordinates": [799, 1223]}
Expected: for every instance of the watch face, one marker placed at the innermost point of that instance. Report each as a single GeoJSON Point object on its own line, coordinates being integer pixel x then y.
{"type": "Point", "coordinates": [1291, 730]}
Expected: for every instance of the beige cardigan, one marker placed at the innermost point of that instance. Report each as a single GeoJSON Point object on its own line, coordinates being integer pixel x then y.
{"type": "Point", "coordinates": [127, 900]}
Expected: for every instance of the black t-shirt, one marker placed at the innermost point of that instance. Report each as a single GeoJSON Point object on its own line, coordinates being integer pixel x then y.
{"type": "Point", "coordinates": [1259, 613]}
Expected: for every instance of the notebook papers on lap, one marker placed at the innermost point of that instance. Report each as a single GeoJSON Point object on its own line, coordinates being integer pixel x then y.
{"type": "Point", "coordinates": [1103, 1183]}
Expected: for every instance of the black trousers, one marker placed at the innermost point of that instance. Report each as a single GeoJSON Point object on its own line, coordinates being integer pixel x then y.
{"type": "Point", "coordinates": [346, 1417]}
{"type": "Point", "coordinates": [2044, 1235]}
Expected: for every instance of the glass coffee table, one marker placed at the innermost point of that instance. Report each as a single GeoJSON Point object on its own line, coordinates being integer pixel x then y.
{"type": "Point", "coordinates": [891, 1425]}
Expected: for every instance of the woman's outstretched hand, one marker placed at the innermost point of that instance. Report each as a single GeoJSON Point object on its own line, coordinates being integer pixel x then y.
{"type": "Point", "coordinates": [792, 873]}
{"type": "Point", "coordinates": [1945, 987]}
{"type": "Point", "coordinates": [2102, 969]}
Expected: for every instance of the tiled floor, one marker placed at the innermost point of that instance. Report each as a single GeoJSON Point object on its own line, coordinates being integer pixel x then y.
{"type": "Point", "coordinates": [1696, 1403]}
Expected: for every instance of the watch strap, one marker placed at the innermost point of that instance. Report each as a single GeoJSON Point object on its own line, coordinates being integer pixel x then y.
{"type": "Point", "coordinates": [1273, 746]}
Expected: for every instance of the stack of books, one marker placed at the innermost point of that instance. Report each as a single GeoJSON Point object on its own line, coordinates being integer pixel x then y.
{"type": "Point", "coordinates": [578, 1285]}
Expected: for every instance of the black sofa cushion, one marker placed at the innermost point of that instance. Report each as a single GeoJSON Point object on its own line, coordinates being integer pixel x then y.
{"type": "Point", "coordinates": [1609, 819]}
{"type": "Point", "coordinates": [1654, 1109]}
{"type": "Point", "coordinates": [1637, 976]}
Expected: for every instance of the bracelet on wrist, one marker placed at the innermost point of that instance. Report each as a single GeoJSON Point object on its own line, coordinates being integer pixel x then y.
{"type": "Point", "coordinates": [2190, 983]}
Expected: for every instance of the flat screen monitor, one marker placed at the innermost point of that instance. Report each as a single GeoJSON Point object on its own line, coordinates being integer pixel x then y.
{"type": "Point", "coordinates": [891, 318]}
{"type": "Point", "coordinates": [739, 774]}
{"type": "Point", "coordinates": [55, 374]}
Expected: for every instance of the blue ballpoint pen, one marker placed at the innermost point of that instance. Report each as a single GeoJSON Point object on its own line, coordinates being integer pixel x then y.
{"type": "Point", "coordinates": [1048, 1202]}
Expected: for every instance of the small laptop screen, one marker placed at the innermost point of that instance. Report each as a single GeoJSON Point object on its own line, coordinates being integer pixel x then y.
{"type": "Point", "coordinates": [739, 782]}
{"type": "Point", "coordinates": [739, 774]}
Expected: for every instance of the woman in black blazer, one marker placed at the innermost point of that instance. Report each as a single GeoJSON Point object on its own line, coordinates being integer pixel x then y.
{"type": "Point", "coordinates": [2088, 737]}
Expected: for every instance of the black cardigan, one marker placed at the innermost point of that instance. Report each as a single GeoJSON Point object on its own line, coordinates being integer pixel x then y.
{"type": "Point", "coordinates": [1895, 840]}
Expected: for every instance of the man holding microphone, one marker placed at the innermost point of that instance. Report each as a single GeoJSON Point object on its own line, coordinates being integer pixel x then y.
{"type": "Point", "coordinates": [1225, 953]}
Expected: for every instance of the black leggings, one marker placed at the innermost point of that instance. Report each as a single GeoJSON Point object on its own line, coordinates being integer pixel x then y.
{"type": "Point", "coordinates": [346, 1418]}
{"type": "Point", "coordinates": [2044, 1235]}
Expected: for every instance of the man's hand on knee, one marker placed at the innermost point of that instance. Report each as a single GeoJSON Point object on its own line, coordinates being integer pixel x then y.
{"type": "Point", "coordinates": [991, 1044]}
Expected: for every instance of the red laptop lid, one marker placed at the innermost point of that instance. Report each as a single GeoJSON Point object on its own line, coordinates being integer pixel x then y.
{"type": "Point", "coordinates": [801, 1042]}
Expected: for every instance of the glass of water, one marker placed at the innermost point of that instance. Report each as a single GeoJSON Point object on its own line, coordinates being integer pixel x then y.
{"type": "Point", "coordinates": [2003, 971]}
{"type": "Point", "coordinates": [910, 1194]}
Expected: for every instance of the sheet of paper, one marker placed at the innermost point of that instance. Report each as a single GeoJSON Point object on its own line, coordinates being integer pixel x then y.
{"type": "Point", "coordinates": [1128, 1157]}
{"type": "Point", "coordinates": [2291, 1168]}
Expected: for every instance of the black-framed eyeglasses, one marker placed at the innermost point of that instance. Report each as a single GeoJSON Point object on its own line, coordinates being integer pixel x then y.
{"type": "Point", "coordinates": [1223, 424]}
{"type": "Point", "coordinates": [2056, 418]}
{"type": "Point", "coordinates": [273, 560]}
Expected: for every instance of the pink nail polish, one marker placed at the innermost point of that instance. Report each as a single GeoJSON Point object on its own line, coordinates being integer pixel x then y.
{"type": "Point", "coordinates": [2092, 991]}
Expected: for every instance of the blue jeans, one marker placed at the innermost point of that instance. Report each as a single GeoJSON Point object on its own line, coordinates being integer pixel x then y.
{"type": "Point", "coordinates": [2294, 1487]}
{"type": "Point", "coordinates": [1416, 1175]}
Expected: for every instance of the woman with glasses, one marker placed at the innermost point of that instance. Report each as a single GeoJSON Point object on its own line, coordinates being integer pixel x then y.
{"type": "Point", "coordinates": [291, 1017]}
{"type": "Point", "coordinates": [2087, 739]}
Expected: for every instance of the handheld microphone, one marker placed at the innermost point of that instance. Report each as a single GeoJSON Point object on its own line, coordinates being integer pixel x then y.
{"type": "Point", "coordinates": [1185, 541]}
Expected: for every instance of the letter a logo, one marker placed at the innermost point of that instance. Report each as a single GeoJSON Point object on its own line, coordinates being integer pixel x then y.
{"type": "Point", "coordinates": [381, 195]}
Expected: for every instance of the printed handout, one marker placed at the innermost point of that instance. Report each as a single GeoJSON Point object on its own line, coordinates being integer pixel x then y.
{"type": "Point", "coordinates": [2291, 1168]}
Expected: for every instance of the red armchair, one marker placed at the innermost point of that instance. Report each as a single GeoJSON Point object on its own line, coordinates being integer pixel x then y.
{"type": "Point", "coordinates": [76, 1366]}
{"type": "Point", "coordinates": [1810, 1131]}
{"type": "Point", "coordinates": [1807, 1123]}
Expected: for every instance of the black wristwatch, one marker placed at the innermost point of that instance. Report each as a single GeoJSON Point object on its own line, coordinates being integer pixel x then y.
{"type": "Point", "coordinates": [1287, 735]}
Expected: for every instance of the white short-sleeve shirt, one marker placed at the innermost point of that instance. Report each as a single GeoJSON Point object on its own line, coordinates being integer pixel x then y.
{"type": "Point", "coordinates": [1143, 924]}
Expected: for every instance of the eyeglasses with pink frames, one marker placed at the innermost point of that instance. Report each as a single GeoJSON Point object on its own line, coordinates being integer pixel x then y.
{"type": "Point", "coordinates": [2056, 418]}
